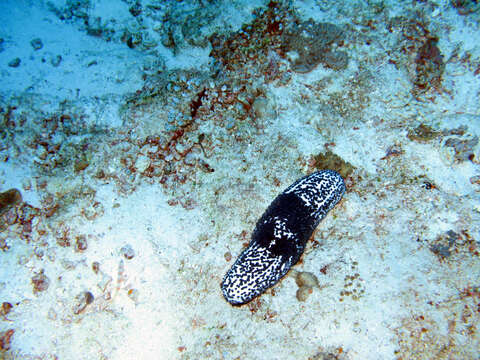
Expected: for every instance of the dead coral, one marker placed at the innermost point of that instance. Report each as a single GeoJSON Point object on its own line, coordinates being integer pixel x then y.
{"type": "Point", "coordinates": [309, 44]}
{"type": "Point", "coordinates": [422, 133]}
{"type": "Point", "coordinates": [419, 53]}
{"type": "Point", "coordinates": [332, 161]}
{"type": "Point", "coordinates": [463, 148]}
{"type": "Point", "coordinates": [5, 339]}
{"type": "Point", "coordinates": [429, 67]}
{"type": "Point", "coordinates": [465, 7]}
{"type": "Point", "coordinates": [40, 282]}
{"type": "Point", "coordinates": [9, 198]}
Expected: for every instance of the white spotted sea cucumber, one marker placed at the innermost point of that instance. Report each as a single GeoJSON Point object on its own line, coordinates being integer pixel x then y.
{"type": "Point", "coordinates": [281, 234]}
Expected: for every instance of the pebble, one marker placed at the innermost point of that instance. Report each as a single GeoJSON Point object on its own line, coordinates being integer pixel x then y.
{"type": "Point", "coordinates": [133, 295]}
{"type": "Point", "coordinates": [51, 315]}
{"type": "Point", "coordinates": [103, 283]}
{"type": "Point", "coordinates": [40, 282]}
{"type": "Point", "coordinates": [96, 267]}
{"type": "Point", "coordinates": [81, 243]}
{"type": "Point", "coordinates": [142, 163]}
{"type": "Point", "coordinates": [36, 44]}
{"type": "Point", "coordinates": [306, 279]}
{"type": "Point", "coordinates": [56, 60]}
{"type": "Point", "coordinates": [128, 252]}
{"type": "Point", "coordinates": [15, 63]}
{"type": "Point", "coordinates": [81, 301]}
{"type": "Point", "coordinates": [303, 293]}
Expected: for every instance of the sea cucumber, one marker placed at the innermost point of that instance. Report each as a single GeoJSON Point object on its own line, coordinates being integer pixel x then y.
{"type": "Point", "coordinates": [281, 234]}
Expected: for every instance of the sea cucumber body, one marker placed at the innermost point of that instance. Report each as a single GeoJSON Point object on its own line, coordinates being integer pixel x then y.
{"type": "Point", "coordinates": [281, 234]}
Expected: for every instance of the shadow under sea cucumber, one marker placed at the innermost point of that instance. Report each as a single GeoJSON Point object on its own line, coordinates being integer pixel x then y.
{"type": "Point", "coordinates": [281, 234]}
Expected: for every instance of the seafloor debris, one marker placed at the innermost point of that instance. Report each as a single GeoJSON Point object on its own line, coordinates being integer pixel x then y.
{"type": "Point", "coordinates": [308, 44]}
{"type": "Point", "coordinates": [81, 301]}
{"type": "Point", "coordinates": [5, 309]}
{"type": "Point", "coordinates": [463, 148]}
{"type": "Point", "coordinates": [453, 244]}
{"type": "Point", "coordinates": [133, 294]}
{"type": "Point", "coordinates": [5, 339]}
{"type": "Point", "coordinates": [325, 356]}
{"type": "Point", "coordinates": [36, 43]}
{"type": "Point", "coordinates": [14, 62]}
{"type": "Point", "coordinates": [353, 285]}
{"type": "Point", "coordinates": [330, 160]}
{"type": "Point", "coordinates": [429, 67]}
{"type": "Point", "coordinates": [9, 198]}
{"type": "Point", "coordinates": [81, 243]}
{"type": "Point", "coordinates": [418, 53]}
{"type": "Point", "coordinates": [306, 281]}
{"type": "Point", "coordinates": [40, 282]}
{"type": "Point", "coordinates": [465, 7]}
{"type": "Point", "coordinates": [96, 267]}
{"type": "Point", "coordinates": [422, 133]}
{"type": "Point", "coordinates": [460, 140]}
{"type": "Point", "coordinates": [127, 251]}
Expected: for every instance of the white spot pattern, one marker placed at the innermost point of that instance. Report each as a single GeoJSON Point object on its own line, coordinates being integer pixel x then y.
{"type": "Point", "coordinates": [258, 268]}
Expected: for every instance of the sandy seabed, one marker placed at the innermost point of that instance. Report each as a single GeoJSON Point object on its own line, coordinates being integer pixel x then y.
{"type": "Point", "coordinates": [141, 141]}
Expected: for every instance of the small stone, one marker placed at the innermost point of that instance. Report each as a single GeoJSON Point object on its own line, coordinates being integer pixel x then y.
{"type": "Point", "coordinates": [475, 179]}
{"type": "Point", "coordinates": [11, 216]}
{"type": "Point", "coordinates": [128, 252]}
{"type": "Point", "coordinates": [36, 44]}
{"type": "Point", "coordinates": [306, 279]}
{"type": "Point", "coordinates": [52, 315]}
{"type": "Point", "coordinates": [80, 165]}
{"type": "Point", "coordinates": [81, 301]}
{"type": "Point", "coordinates": [5, 339]}
{"type": "Point", "coordinates": [26, 184]}
{"type": "Point", "coordinates": [100, 174]}
{"type": "Point", "coordinates": [9, 198]}
{"type": "Point", "coordinates": [142, 163]}
{"type": "Point", "coordinates": [136, 9]}
{"type": "Point", "coordinates": [6, 307]}
{"type": "Point", "coordinates": [96, 267]}
{"type": "Point", "coordinates": [56, 60]}
{"type": "Point", "coordinates": [51, 254]}
{"type": "Point", "coordinates": [81, 243]}
{"type": "Point", "coordinates": [260, 107]}
{"type": "Point", "coordinates": [40, 282]}
{"type": "Point", "coordinates": [103, 283]}
{"type": "Point", "coordinates": [303, 293]}
{"type": "Point", "coordinates": [190, 159]}
{"type": "Point", "coordinates": [14, 62]}
{"type": "Point", "coordinates": [68, 264]}
{"type": "Point", "coordinates": [89, 297]}
{"type": "Point", "coordinates": [39, 252]}
{"type": "Point", "coordinates": [22, 260]}
{"type": "Point", "coordinates": [133, 295]}
{"type": "Point", "coordinates": [229, 124]}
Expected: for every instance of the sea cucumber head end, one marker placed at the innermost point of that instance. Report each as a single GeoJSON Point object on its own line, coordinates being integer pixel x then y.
{"type": "Point", "coordinates": [255, 270]}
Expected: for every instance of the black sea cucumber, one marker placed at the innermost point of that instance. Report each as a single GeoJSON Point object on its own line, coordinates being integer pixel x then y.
{"type": "Point", "coordinates": [281, 234]}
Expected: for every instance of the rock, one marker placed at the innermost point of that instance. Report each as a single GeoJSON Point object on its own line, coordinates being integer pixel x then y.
{"type": "Point", "coordinates": [15, 62]}
{"type": "Point", "coordinates": [40, 282]}
{"type": "Point", "coordinates": [9, 198]}
{"type": "Point", "coordinates": [142, 163]}
{"type": "Point", "coordinates": [309, 44]}
{"type": "Point", "coordinates": [128, 252]}
{"type": "Point", "coordinates": [56, 60]}
{"type": "Point", "coordinates": [36, 44]}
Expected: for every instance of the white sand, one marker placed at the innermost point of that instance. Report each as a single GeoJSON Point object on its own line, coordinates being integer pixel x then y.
{"type": "Point", "coordinates": [165, 302]}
